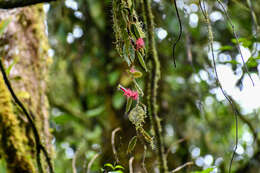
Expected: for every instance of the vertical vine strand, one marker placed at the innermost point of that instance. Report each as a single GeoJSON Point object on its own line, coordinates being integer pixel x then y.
{"type": "Point", "coordinates": [211, 38]}
{"type": "Point", "coordinates": [180, 33]}
{"type": "Point", "coordinates": [154, 73]}
{"type": "Point", "coordinates": [236, 37]}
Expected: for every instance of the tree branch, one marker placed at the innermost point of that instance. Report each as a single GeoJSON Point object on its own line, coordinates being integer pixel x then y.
{"type": "Point", "coordinates": [182, 166]}
{"type": "Point", "coordinates": [78, 115]}
{"type": "Point", "coordinates": [9, 4]}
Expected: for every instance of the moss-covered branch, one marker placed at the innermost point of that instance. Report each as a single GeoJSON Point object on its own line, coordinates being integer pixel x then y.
{"type": "Point", "coordinates": [11, 139]}
{"type": "Point", "coordinates": [8, 4]}
{"type": "Point", "coordinates": [154, 76]}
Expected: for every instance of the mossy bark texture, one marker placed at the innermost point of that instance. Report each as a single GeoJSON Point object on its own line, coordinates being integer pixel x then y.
{"type": "Point", "coordinates": [154, 77]}
{"type": "Point", "coordinates": [12, 139]}
{"type": "Point", "coordinates": [8, 4]}
{"type": "Point", "coordinates": [25, 45]}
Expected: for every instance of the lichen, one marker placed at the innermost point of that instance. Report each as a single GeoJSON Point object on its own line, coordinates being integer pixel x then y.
{"type": "Point", "coordinates": [11, 139]}
{"type": "Point", "coordinates": [33, 66]}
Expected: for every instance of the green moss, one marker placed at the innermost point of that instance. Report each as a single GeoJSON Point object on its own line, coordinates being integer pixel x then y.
{"type": "Point", "coordinates": [154, 77]}
{"type": "Point", "coordinates": [12, 148]}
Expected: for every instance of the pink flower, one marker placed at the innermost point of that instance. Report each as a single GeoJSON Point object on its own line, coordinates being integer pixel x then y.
{"type": "Point", "coordinates": [129, 93]}
{"type": "Point", "coordinates": [139, 43]}
{"type": "Point", "coordinates": [132, 70]}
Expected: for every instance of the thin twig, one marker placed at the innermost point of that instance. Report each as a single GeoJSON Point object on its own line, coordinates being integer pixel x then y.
{"type": "Point", "coordinates": [182, 166]}
{"type": "Point", "coordinates": [180, 33]}
{"type": "Point", "coordinates": [131, 170]}
{"type": "Point", "coordinates": [253, 15]}
{"type": "Point", "coordinates": [92, 161]}
{"type": "Point", "coordinates": [113, 143]}
{"type": "Point", "coordinates": [236, 37]}
{"type": "Point", "coordinates": [74, 169]}
{"type": "Point", "coordinates": [39, 146]}
{"type": "Point", "coordinates": [249, 124]}
{"type": "Point", "coordinates": [143, 161]}
{"type": "Point", "coordinates": [205, 13]}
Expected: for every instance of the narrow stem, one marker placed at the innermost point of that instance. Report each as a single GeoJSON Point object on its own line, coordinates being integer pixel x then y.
{"type": "Point", "coordinates": [154, 76]}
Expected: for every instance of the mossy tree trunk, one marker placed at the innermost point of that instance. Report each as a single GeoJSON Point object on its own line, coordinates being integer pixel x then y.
{"type": "Point", "coordinates": [25, 45]}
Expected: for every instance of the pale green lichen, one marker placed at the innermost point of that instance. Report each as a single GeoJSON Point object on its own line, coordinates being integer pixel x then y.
{"type": "Point", "coordinates": [11, 139]}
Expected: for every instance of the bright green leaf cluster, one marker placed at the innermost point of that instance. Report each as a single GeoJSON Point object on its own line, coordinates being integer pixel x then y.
{"type": "Point", "coordinates": [114, 169]}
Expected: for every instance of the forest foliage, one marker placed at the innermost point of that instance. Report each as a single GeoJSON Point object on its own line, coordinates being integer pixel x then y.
{"type": "Point", "coordinates": [120, 101]}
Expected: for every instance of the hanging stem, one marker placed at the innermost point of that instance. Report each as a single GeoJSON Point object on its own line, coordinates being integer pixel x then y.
{"type": "Point", "coordinates": [211, 39]}
{"type": "Point", "coordinates": [154, 76]}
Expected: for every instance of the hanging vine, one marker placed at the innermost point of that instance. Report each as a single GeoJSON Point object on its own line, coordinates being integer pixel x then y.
{"type": "Point", "coordinates": [211, 39]}
{"type": "Point", "coordinates": [131, 47]}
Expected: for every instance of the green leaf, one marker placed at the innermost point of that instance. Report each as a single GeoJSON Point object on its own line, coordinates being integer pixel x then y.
{"type": "Point", "coordinates": [208, 170]}
{"type": "Point", "coordinates": [141, 60]}
{"type": "Point", "coordinates": [251, 62]}
{"type": "Point", "coordinates": [125, 55]}
{"type": "Point", "coordinates": [245, 42]}
{"type": "Point", "coordinates": [140, 30]}
{"type": "Point", "coordinates": [138, 88]}
{"type": "Point", "coordinates": [119, 167]}
{"type": "Point", "coordinates": [132, 53]}
{"type": "Point", "coordinates": [10, 67]}
{"type": "Point", "coordinates": [109, 165]}
{"type": "Point", "coordinates": [234, 62]}
{"type": "Point", "coordinates": [95, 112]}
{"type": "Point", "coordinates": [3, 25]}
{"type": "Point", "coordinates": [131, 144]}
{"type": "Point", "coordinates": [62, 119]}
{"type": "Point", "coordinates": [137, 74]}
{"type": "Point", "coordinates": [135, 30]}
{"type": "Point", "coordinates": [128, 104]}
{"type": "Point", "coordinates": [225, 48]}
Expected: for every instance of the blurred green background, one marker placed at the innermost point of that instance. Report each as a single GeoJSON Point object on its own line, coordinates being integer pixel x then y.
{"type": "Point", "coordinates": [198, 123]}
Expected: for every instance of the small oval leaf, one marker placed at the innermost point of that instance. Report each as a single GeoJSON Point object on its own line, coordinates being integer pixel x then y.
{"type": "Point", "coordinates": [132, 144]}
{"type": "Point", "coordinates": [109, 165]}
{"type": "Point", "coordinates": [137, 74]}
{"type": "Point", "coordinates": [128, 104]}
{"type": "Point", "coordinates": [119, 167]}
{"type": "Point", "coordinates": [141, 60]}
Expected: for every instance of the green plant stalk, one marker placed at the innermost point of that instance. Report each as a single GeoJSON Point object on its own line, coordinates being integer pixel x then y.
{"type": "Point", "coordinates": [154, 77]}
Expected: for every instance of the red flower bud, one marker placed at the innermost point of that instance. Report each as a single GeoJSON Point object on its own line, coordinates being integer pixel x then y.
{"type": "Point", "coordinates": [139, 43]}
{"type": "Point", "coordinates": [129, 93]}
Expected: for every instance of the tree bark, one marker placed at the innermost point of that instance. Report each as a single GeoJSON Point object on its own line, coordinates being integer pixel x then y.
{"type": "Point", "coordinates": [25, 45]}
{"type": "Point", "coordinates": [8, 4]}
